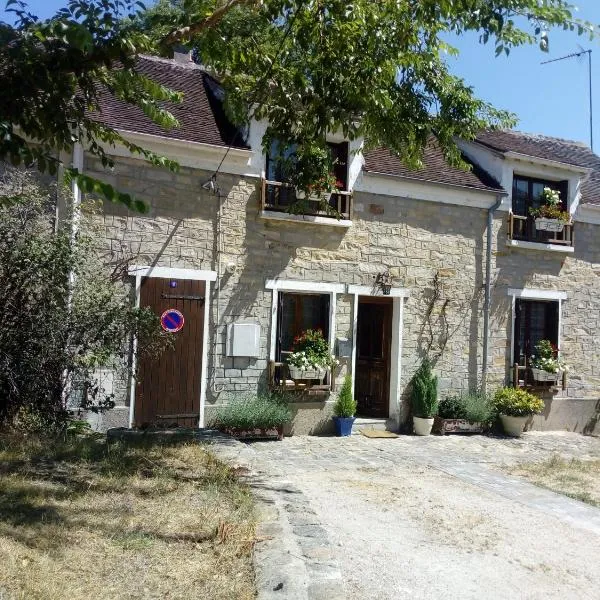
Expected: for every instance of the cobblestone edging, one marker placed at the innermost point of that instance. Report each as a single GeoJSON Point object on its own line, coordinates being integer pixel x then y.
{"type": "Point", "coordinates": [293, 557]}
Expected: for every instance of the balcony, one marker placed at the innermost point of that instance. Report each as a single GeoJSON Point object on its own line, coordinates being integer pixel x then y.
{"type": "Point", "coordinates": [278, 197]}
{"type": "Point", "coordinates": [523, 234]}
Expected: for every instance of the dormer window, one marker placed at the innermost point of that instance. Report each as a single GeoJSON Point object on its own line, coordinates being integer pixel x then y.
{"type": "Point", "coordinates": [279, 196]}
{"type": "Point", "coordinates": [527, 193]}
{"type": "Point", "coordinates": [527, 196]}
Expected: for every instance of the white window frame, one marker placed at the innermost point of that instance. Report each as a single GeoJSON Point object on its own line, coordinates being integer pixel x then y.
{"type": "Point", "coordinates": [534, 294]}
{"type": "Point", "coordinates": [307, 287]}
{"type": "Point", "coordinates": [139, 271]}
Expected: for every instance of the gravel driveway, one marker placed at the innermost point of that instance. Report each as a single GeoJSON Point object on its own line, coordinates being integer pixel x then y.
{"type": "Point", "coordinates": [437, 518]}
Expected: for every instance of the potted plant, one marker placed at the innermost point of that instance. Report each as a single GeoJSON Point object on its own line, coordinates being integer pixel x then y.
{"type": "Point", "coordinates": [424, 399]}
{"type": "Point", "coordinates": [515, 406]}
{"type": "Point", "coordinates": [344, 409]}
{"type": "Point", "coordinates": [311, 356]}
{"type": "Point", "coordinates": [253, 417]}
{"type": "Point", "coordinates": [550, 216]}
{"type": "Point", "coordinates": [545, 364]}
{"type": "Point", "coordinates": [466, 413]}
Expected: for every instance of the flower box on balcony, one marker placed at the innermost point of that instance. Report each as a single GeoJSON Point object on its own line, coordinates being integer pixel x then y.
{"type": "Point", "coordinates": [554, 225]}
{"type": "Point", "coordinates": [542, 376]}
{"type": "Point", "coordinates": [297, 373]}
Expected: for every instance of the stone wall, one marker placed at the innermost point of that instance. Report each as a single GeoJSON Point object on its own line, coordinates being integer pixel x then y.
{"type": "Point", "coordinates": [437, 251]}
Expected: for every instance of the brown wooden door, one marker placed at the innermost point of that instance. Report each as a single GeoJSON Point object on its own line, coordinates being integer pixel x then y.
{"type": "Point", "coordinates": [372, 387]}
{"type": "Point", "coordinates": [168, 387]}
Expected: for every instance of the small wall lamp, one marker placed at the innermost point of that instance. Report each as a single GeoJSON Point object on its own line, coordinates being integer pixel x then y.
{"type": "Point", "coordinates": [384, 281]}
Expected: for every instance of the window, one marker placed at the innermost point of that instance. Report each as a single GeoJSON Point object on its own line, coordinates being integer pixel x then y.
{"type": "Point", "coordinates": [297, 313]}
{"type": "Point", "coordinates": [279, 197]}
{"type": "Point", "coordinates": [535, 320]}
{"type": "Point", "coordinates": [527, 192]}
{"type": "Point", "coordinates": [526, 195]}
{"type": "Point", "coordinates": [339, 155]}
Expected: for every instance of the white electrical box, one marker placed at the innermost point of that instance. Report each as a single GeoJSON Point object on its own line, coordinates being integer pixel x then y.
{"type": "Point", "coordinates": [243, 339]}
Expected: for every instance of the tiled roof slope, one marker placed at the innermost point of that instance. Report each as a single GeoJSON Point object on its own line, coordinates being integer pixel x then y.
{"type": "Point", "coordinates": [549, 148]}
{"type": "Point", "coordinates": [435, 169]}
{"type": "Point", "coordinates": [201, 116]}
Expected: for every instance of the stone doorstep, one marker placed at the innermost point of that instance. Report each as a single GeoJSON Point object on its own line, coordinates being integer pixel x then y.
{"type": "Point", "coordinates": [371, 423]}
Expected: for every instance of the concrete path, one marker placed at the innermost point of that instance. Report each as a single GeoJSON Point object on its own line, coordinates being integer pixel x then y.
{"type": "Point", "coordinates": [436, 517]}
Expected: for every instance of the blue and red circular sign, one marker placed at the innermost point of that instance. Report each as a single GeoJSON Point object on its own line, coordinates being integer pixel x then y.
{"type": "Point", "coordinates": [172, 320]}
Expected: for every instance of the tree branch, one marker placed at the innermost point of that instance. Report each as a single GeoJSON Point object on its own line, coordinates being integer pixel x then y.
{"type": "Point", "coordinates": [190, 30]}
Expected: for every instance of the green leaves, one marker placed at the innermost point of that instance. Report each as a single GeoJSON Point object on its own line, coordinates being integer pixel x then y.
{"type": "Point", "coordinates": [366, 69]}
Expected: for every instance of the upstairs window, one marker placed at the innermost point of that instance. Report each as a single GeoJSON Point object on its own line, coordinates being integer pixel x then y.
{"type": "Point", "coordinates": [535, 320]}
{"type": "Point", "coordinates": [275, 168]}
{"type": "Point", "coordinates": [527, 192]}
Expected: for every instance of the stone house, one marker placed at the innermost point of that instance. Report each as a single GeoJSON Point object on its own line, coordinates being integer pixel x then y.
{"type": "Point", "coordinates": [470, 282]}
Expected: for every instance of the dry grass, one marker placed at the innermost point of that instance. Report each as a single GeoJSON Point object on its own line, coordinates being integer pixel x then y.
{"type": "Point", "coordinates": [81, 520]}
{"type": "Point", "coordinates": [578, 479]}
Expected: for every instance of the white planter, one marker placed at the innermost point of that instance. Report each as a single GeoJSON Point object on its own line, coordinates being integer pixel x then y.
{"type": "Point", "coordinates": [300, 194]}
{"type": "Point", "coordinates": [513, 426]}
{"type": "Point", "coordinates": [556, 225]}
{"type": "Point", "coordinates": [422, 426]}
{"type": "Point", "coordinates": [298, 373]}
{"type": "Point", "coordinates": [544, 376]}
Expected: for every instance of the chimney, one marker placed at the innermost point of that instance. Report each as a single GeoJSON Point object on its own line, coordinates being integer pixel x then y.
{"type": "Point", "coordinates": [182, 55]}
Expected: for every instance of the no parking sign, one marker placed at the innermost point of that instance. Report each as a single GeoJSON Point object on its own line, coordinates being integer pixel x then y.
{"type": "Point", "coordinates": [172, 320]}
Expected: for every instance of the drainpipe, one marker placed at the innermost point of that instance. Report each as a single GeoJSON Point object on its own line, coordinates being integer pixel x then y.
{"type": "Point", "coordinates": [488, 291]}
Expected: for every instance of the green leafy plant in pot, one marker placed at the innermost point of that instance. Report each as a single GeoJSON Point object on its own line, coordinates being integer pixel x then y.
{"type": "Point", "coordinates": [344, 409]}
{"type": "Point", "coordinates": [424, 398]}
{"type": "Point", "coordinates": [515, 407]}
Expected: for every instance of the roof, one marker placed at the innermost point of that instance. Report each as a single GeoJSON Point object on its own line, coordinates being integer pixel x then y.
{"type": "Point", "coordinates": [550, 148]}
{"type": "Point", "coordinates": [435, 169]}
{"type": "Point", "coordinates": [201, 116]}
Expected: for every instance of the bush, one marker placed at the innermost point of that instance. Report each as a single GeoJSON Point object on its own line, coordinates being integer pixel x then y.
{"type": "Point", "coordinates": [252, 412]}
{"type": "Point", "coordinates": [424, 392]}
{"type": "Point", "coordinates": [451, 407]}
{"type": "Point", "coordinates": [515, 402]}
{"type": "Point", "coordinates": [345, 405]}
{"type": "Point", "coordinates": [65, 316]}
{"type": "Point", "coordinates": [478, 407]}
{"type": "Point", "coordinates": [474, 407]}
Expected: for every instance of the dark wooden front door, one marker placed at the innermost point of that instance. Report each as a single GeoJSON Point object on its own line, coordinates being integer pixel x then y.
{"type": "Point", "coordinates": [168, 387]}
{"type": "Point", "coordinates": [372, 387]}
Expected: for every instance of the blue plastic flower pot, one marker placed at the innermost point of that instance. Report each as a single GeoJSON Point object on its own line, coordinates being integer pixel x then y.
{"type": "Point", "coordinates": [343, 425]}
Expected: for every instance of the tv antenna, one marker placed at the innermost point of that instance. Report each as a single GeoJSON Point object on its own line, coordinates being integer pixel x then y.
{"type": "Point", "coordinates": [578, 55]}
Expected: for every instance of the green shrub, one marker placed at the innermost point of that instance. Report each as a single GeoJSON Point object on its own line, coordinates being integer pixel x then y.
{"type": "Point", "coordinates": [424, 392]}
{"type": "Point", "coordinates": [478, 407]}
{"type": "Point", "coordinates": [474, 407]}
{"type": "Point", "coordinates": [451, 407]}
{"type": "Point", "coordinates": [515, 402]}
{"type": "Point", "coordinates": [345, 405]}
{"type": "Point", "coordinates": [67, 314]}
{"type": "Point", "coordinates": [252, 412]}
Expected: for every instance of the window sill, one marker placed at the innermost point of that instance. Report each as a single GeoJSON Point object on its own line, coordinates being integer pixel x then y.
{"type": "Point", "coordinates": [561, 249]}
{"type": "Point", "coordinates": [272, 215]}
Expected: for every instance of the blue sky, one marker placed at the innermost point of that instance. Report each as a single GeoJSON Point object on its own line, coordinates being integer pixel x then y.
{"type": "Point", "coordinates": [549, 99]}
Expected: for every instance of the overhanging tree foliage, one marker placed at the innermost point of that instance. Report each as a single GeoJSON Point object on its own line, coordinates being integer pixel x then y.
{"type": "Point", "coordinates": [369, 69]}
